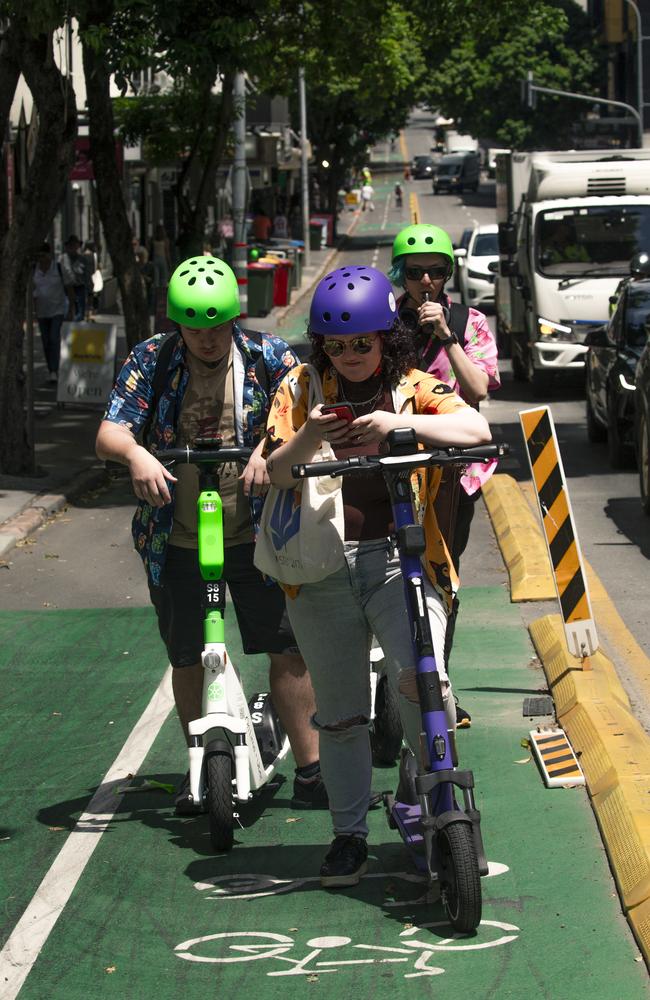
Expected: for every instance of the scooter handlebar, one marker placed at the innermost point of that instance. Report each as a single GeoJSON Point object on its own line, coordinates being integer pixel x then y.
{"type": "Point", "coordinates": [203, 456]}
{"type": "Point", "coordinates": [417, 460]}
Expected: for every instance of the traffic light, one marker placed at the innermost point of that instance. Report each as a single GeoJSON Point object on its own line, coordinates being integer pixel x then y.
{"type": "Point", "coordinates": [528, 93]}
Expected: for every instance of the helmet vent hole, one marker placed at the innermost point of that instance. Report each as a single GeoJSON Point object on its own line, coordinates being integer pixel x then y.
{"type": "Point", "coordinates": [192, 280]}
{"type": "Point", "coordinates": [411, 240]}
{"type": "Point", "coordinates": [362, 268]}
{"type": "Point", "coordinates": [193, 263]}
{"type": "Point", "coordinates": [327, 317]}
{"type": "Point", "coordinates": [209, 280]}
{"type": "Point", "coordinates": [330, 287]}
{"type": "Point", "coordinates": [350, 286]}
{"type": "Point", "coordinates": [365, 277]}
{"type": "Point", "coordinates": [211, 312]}
{"type": "Point", "coordinates": [218, 271]}
{"type": "Point", "coordinates": [201, 269]}
{"type": "Point", "coordinates": [183, 273]}
{"type": "Point", "coordinates": [345, 316]}
{"type": "Point", "coordinates": [346, 274]}
{"type": "Point", "coordinates": [190, 312]}
{"type": "Point", "coordinates": [428, 239]}
{"type": "Point", "coordinates": [328, 277]}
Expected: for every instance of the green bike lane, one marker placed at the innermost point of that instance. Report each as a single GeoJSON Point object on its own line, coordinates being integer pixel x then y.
{"type": "Point", "coordinates": [156, 913]}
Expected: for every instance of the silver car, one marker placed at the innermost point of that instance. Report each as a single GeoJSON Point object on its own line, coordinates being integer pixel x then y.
{"type": "Point", "coordinates": [475, 280]}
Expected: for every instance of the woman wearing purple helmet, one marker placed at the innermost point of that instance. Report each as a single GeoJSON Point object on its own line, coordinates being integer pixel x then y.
{"type": "Point", "coordinates": [364, 358]}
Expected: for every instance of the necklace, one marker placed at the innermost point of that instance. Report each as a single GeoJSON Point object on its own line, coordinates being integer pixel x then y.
{"type": "Point", "coordinates": [354, 403]}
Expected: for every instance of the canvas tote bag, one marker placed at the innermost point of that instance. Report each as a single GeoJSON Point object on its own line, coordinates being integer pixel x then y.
{"type": "Point", "coordinates": [301, 529]}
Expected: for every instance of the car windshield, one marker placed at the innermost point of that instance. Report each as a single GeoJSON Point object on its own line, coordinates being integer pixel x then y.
{"type": "Point", "coordinates": [446, 169]}
{"type": "Point", "coordinates": [637, 315]}
{"type": "Point", "coordinates": [486, 245]}
{"type": "Point", "coordinates": [574, 241]}
{"type": "Point", "coordinates": [422, 161]}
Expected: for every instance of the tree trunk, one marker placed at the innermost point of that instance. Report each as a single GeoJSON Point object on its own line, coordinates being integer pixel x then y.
{"type": "Point", "coordinates": [34, 211]}
{"type": "Point", "coordinates": [110, 197]}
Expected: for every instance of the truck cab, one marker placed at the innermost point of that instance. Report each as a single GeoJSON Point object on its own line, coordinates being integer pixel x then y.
{"type": "Point", "coordinates": [569, 222]}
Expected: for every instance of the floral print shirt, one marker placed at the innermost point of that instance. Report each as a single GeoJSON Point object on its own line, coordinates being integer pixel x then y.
{"type": "Point", "coordinates": [132, 396]}
{"type": "Point", "coordinates": [480, 346]}
{"type": "Point", "coordinates": [417, 392]}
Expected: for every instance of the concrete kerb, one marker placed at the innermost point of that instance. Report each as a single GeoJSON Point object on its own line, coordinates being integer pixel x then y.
{"type": "Point", "coordinates": [44, 505]}
{"type": "Point", "coordinates": [613, 748]}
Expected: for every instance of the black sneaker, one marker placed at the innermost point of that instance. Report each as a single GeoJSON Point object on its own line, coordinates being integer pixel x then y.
{"type": "Point", "coordinates": [463, 718]}
{"type": "Point", "coordinates": [309, 793]}
{"type": "Point", "coordinates": [345, 862]}
{"type": "Point", "coordinates": [185, 805]}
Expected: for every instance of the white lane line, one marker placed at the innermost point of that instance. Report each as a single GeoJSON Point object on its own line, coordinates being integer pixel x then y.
{"type": "Point", "coordinates": [33, 929]}
{"type": "Point", "coordinates": [373, 262]}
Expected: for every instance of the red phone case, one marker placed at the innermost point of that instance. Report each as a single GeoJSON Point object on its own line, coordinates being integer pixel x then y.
{"type": "Point", "coordinates": [342, 410]}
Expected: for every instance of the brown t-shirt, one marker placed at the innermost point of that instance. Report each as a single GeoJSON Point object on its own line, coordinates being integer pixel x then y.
{"type": "Point", "coordinates": [208, 409]}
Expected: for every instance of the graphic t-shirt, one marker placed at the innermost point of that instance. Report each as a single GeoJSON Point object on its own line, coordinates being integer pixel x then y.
{"type": "Point", "coordinates": [208, 410]}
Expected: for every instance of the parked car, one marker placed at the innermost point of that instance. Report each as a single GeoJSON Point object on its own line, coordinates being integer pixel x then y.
{"type": "Point", "coordinates": [457, 172]}
{"type": "Point", "coordinates": [611, 366]}
{"type": "Point", "coordinates": [423, 166]}
{"type": "Point", "coordinates": [642, 417]}
{"type": "Point", "coordinates": [475, 279]}
{"type": "Point", "coordinates": [459, 261]}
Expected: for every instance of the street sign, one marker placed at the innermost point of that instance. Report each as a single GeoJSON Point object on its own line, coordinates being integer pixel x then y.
{"type": "Point", "coordinates": [559, 530]}
{"type": "Point", "coordinates": [87, 365]}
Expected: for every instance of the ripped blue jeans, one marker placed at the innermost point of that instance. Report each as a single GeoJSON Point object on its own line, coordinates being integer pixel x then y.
{"type": "Point", "coordinates": [333, 622]}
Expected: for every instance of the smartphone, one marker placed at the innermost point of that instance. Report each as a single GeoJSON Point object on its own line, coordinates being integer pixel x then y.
{"type": "Point", "coordinates": [342, 410]}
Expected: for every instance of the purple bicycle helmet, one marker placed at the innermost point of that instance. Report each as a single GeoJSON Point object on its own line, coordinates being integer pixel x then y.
{"type": "Point", "coordinates": [352, 300]}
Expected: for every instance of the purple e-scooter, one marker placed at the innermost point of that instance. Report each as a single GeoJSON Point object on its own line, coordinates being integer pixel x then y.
{"type": "Point", "coordinates": [443, 836]}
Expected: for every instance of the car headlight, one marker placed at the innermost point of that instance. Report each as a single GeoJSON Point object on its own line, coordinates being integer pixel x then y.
{"type": "Point", "coordinates": [554, 331]}
{"type": "Point", "coordinates": [479, 276]}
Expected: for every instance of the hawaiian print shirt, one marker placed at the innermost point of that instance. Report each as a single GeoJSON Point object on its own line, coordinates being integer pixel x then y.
{"type": "Point", "coordinates": [480, 346]}
{"type": "Point", "coordinates": [132, 396]}
{"type": "Point", "coordinates": [417, 392]}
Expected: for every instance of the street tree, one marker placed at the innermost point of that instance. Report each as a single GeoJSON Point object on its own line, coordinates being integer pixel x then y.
{"type": "Point", "coordinates": [479, 71]}
{"type": "Point", "coordinates": [26, 47]}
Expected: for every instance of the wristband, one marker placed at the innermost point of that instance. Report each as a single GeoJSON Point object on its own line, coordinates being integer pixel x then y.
{"type": "Point", "coordinates": [448, 341]}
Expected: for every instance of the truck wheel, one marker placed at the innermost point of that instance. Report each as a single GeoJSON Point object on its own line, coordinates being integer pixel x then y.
{"type": "Point", "coordinates": [519, 365]}
{"type": "Point", "coordinates": [644, 464]}
{"type": "Point", "coordinates": [595, 431]}
{"type": "Point", "coordinates": [620, 454]}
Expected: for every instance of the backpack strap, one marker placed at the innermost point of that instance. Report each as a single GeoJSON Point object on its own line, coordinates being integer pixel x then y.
{"type": "Point", "coordinates": [167, 344]}
{"type": "Point", "coordinates": [261, 371]}
{"type": "Point", "coordinates": [458, 317]}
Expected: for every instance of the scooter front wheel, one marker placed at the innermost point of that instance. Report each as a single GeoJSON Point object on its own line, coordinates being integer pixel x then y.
{"type": "Point", "coordinates": [219, 774]}
{"type": "Point", "coordinates": [460, 882]}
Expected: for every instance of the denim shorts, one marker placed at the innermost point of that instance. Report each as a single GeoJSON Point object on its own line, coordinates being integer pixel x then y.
{"type": "Point", "coordinates": [260, 609]}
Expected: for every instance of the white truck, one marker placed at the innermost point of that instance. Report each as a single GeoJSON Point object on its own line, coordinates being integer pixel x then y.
{"type": "Point", "coordinates": [569, 223]}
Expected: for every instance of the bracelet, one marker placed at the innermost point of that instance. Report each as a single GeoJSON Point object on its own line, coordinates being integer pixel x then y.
{"type": "Point", "coordinates": [451, 339]}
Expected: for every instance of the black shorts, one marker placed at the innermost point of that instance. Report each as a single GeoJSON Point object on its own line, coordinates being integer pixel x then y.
{"type": "Point", "coordinates": [260, 609]}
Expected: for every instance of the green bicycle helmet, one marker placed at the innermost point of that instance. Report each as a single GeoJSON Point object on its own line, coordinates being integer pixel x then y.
{"type": "Point", "coordinates": [423, 238]}
{"type": "Point", "coordinates": [202, 292]}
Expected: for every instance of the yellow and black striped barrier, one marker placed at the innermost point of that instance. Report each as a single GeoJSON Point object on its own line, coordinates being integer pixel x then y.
{"type": "Point", "coordinates": [559, 530]}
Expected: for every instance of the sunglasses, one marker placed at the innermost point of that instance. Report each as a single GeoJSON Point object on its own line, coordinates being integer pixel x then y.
{"type": "Point", "coordinates": [414, 272]}
{"type": "Point", "coordinates": [360, 345]}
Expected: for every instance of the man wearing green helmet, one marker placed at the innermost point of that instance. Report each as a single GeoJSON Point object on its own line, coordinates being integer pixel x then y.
{"type": "Point", "coordinates": [208, 377]}
{"type": "Point", "coordinates": [456, 345]}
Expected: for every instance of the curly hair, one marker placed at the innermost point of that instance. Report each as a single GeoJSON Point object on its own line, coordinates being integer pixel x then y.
{"type": "Point", "coordinates": [398, 354]}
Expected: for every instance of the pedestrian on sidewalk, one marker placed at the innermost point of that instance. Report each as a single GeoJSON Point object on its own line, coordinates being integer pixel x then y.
{"type": "Point", "coordinates": [459, 350]}
{"type": "Point", "coordinates": [212, 385]}
{"type": "Point", "coordinates": [75, 267]}
{"type": "Point", "coordinates": [50, 306]}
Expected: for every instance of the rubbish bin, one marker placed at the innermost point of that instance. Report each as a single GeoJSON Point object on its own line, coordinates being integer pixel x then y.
{"type": "Point", "coordinates": [281, 285]}
{"type": "Point", "coordinates": [315, 235]}
{"type": "Point", "coordinates": [261, 279]}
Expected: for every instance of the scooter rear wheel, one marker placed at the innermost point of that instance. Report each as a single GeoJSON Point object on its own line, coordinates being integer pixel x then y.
{"type": "Point", "coordinates": [219, 773]}
{"type": "Point", "coordinates": [459, 877]}
{"type": "Point", "coordinates": [386, 735]}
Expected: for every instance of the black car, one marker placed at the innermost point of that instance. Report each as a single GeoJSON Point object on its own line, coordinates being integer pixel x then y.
{"type": "Point", "coordinates": [642, 416]}
{"type": "Point", "coordinates": [423, 166]}
{"type": "Point", "coordinates": [611, 363]}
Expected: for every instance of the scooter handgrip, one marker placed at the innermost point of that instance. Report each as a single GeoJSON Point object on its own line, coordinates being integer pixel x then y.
{"type": "Point", "coordinates": [311, 469]}
{"type": "Point", "coordinates": [488, 452]}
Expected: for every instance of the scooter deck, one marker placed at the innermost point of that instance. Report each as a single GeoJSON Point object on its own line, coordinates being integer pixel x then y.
{"type": "Point", "coordinates": [407, 819]}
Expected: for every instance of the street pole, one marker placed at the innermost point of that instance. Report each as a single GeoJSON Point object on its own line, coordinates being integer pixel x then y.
{"type": "Point", "coordinates": [304, 166]}
{"type": "Point", "coordinates": [639, 67]}
{"type": "Point", "coordinates": [239, 248]}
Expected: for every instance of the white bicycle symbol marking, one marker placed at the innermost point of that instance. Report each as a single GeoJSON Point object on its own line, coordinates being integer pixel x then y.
{"type": "Point", "coordinates": [252, 946]}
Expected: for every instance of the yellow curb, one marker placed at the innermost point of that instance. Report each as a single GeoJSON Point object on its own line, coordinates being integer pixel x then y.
{"type": "Point", "coordinates": [639, 918]}
{"type": "Point", "coordinates": [520, 539]}
{"type": "Point", "coordinates": [614, 753]}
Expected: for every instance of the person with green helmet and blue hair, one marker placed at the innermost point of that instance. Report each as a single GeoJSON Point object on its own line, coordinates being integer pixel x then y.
{"type": "Point", "coordinates": [454, 343]}
{"type": "Point", "coordinates": [209, 377]}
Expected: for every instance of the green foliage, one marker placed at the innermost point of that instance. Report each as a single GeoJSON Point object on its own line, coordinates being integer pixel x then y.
{"type": "Point", "coordinates": [167, 124]}
{"type": "Point", "coordinates": [478, 73]}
